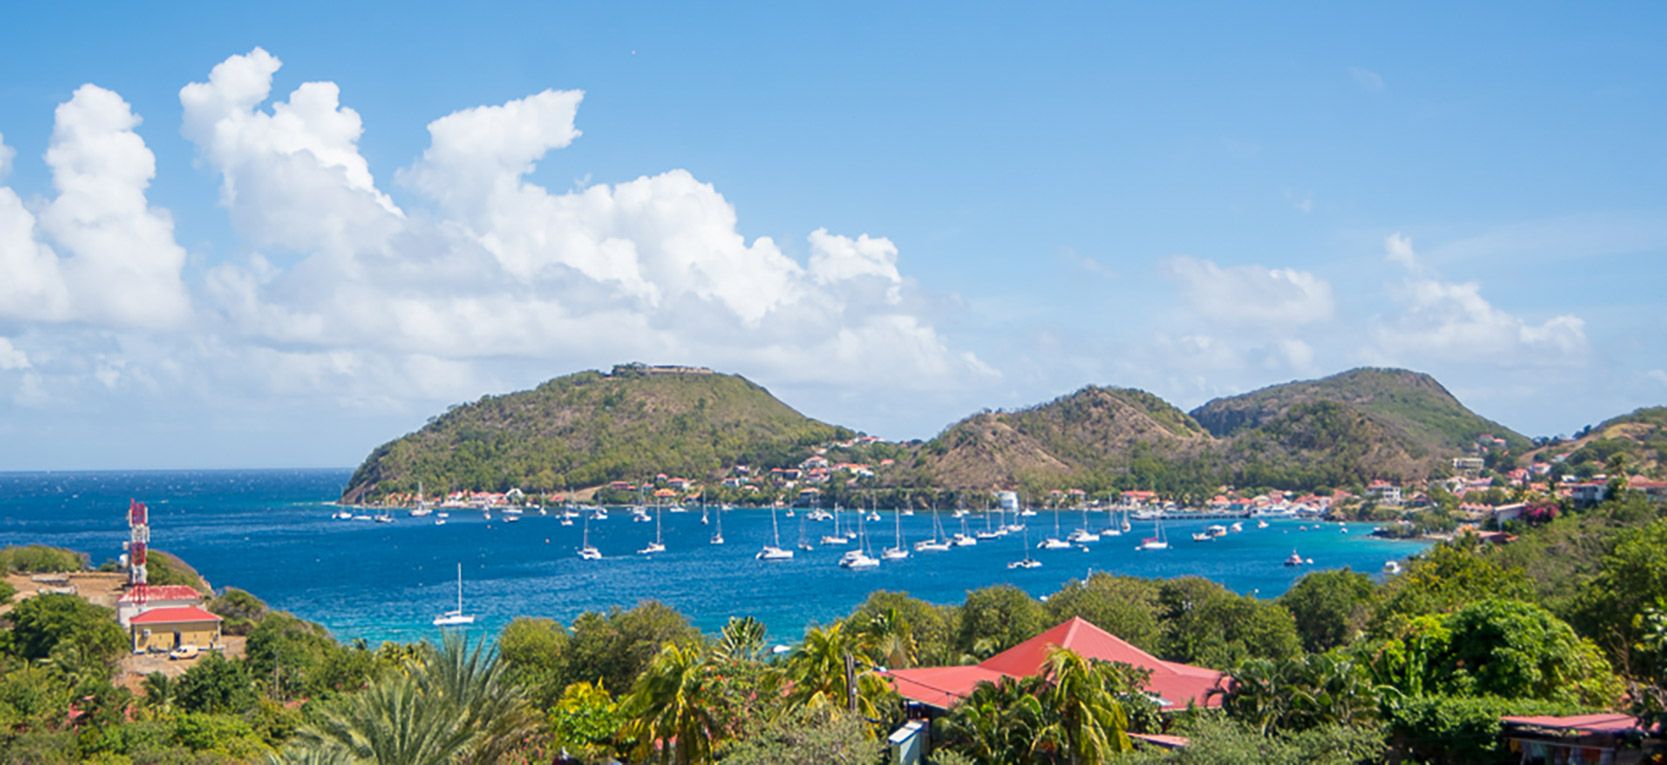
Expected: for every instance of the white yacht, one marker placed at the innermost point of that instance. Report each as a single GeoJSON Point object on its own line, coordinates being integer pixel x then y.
{"type": "Point", "coordinates": [773, 550]}
{"type": "Point", "coordinates": [1028, 561]}
{"type": "Point", "coordinates": [1158, 541]}
{"type": "Point", "coordinates": [658, 545]}
{"type": "Point", "coordinates": [898, 552]}
{"type": "Point", "coordinates": [588, 551]}
{"type": "Point", "coordinates": [1055, 542]}
{"type": "Point", "coordinates": [936, 543]}
{"type": "Point", "coordinates": [456, 618]}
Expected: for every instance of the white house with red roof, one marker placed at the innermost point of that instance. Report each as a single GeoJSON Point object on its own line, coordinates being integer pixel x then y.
{"type": "Point", "coordinates": [1173, 686]}
{"type": "Point", "coordinates": [155, 596]}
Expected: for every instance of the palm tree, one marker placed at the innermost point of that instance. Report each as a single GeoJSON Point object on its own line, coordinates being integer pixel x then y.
{"type": "Point", "coordinates": [1090, 721]}
{"type": "Point", "coordinates": [817, 671]}
{"type": "Point", "coordinates": [997, 723]}
{"type": "Point", "coordinates": [671, 708]}
{"type": "Point", "coordinates": [452, 705]}
{"type": "Point", "coordinates": [476, 684]}
{"type": "Point", "coordinates": [159, 691]}
{"type": "Point", "coordinates": [1254, 694]}
{"type": "Point", "coordinates": [388, 723]}
{"type": "Point", "coordinates": [888, 638]}
{"type": "Point", "coordinates": [742, 639]}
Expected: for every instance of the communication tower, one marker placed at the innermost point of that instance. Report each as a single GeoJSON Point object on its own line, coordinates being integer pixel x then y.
{"type": "Point", "coordinates": [138, 522]}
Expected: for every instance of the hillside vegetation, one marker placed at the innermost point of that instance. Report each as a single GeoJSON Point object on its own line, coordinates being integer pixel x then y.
{"type": "Point", "coordinates": [1408, 405]}
{"type": "Point", "coordinates": [1634, 443]}
{"type": "Point", "coordinates": [590, 428]}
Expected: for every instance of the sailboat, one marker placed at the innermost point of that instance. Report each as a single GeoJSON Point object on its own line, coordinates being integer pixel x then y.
{"type": "Point", "coordinates": [1028, 562]}
{"type": "Point", "coordinates": [989, 532]}
{"type": "Point", "coordinates": [936, 543]}
{"type": "Point", "coordinates": [773, 551]}
{"type": "Point", "coordinates": [589, 552]}
{"type": "Point", "coordinates": [804, 540]}
{"type": "Point", "coordinates": [718, 536]}
{"type": "Point", "coordinates": [1054, 542]}
{"type": "Point", "coordinates": [899, 552]}
{"type": "Point", "coordinates": [1158, 541]}
{"type": "Point", "coordinates": [835, 538]}
{"type": "Point", "coordinates": [963, 539]}
{"type": "Point", "coordinates": [655, 546]}
{"type": "Point", "coordinates": [859, 558]}
{"type": "Point", "coordinates": [1126, 526]}
{"type": "Point", "coordinates": [422, 503]}
{"type": "Point", "coordinates": [456, 618]}
{"type": "Point", "coordinates": [1083, 535]}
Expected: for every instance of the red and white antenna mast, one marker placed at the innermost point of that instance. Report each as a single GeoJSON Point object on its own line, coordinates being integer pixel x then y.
{"type": "Point", "coordinates": [139, 523]}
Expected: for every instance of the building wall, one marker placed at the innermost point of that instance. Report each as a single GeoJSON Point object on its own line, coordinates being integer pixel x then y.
{"type": "Point", "coordinates": [200, 634]}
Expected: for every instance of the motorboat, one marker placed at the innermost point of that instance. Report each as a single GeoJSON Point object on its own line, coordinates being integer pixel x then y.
{"type": "Point", "coordinates": [1202, 537]}
{"type": "Point", "coordinates": [1261, 524]}
{"type": "Point", "coordinates": [342, 515]}
{"type": "Point", "coordinates": [1236, 527]}
{"type": "Point", "coordinates": [1294, 560]}
{"type": "Point", "coordinates": [1391, 567]}
{"type": "Point", "coordinates": [1216, 530]}
{"type": "Point", "coordinates": [1083, 536]}
{"type": "Point", "coordinates": [456, 618]}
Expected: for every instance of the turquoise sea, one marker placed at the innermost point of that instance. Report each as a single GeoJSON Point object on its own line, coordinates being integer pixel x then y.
{"type": "Point", "coordinates": [270, 532]}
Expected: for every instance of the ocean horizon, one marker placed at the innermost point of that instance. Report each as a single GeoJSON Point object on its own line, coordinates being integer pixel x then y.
{"type": "Point", "coordinates": [270, 532]}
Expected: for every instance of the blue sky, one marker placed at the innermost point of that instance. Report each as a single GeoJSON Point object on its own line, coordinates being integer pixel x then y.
{"type": "Point", "coordinates": [890, 216]}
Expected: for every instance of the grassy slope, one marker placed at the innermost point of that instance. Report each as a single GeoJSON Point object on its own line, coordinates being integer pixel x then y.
{"type": "Point", "coordinates": [589, 428]}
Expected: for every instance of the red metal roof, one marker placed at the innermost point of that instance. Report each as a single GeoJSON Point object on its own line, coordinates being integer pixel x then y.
{"type": "Point", "coordinates": [164, 592]}
{"type": "Point", "coordinates": [1175, 684]}
{"type": "Point", "coordinates": [1607, 722]}
{"type": "Point", "coordinates": [176, 614]}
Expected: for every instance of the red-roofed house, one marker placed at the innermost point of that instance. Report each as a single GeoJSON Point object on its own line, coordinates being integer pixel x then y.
{"type": "Point", "coordinates": [165, 629]}
{"type": "Point", "coordinates": [1172, 685]}
{"type": "Point", "coordinates": [155, 596]}
{"type": "Point", "coordinates": [1654, 490]}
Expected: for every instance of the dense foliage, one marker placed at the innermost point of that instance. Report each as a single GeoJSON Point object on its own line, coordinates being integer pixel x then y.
{"type": "Point", "coordinates": [590, 428]}
{"type": "Point", "coordinates": [1340, 669]}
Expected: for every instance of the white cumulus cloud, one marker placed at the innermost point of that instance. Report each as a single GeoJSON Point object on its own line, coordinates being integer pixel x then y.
{"type": "Point", "coordinates": [1250, 293]}
{"type": "Point", "coordinates": [492, 265]}
{"type": "Point", "coordinates": [123, 266]}
{"type": "Point", "coordinates": [1453, 320]}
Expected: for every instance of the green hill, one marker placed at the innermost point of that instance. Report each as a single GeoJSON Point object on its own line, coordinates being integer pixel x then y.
{"type": "Point", "coordinates": [1408, 405]}
{"type": "Point", "coordinates": [590, 428]}
{"type": "Point", "coordinates": [1638, 438]}
{"type": "Point", "coordinates": [1086, 439]}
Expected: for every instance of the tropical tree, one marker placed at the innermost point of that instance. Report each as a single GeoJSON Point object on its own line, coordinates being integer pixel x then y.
{"type": "Point", "coordinates": [888, 639]}
{"type": "Point", "coordinates": [671, 710]}
{"type": "Point", "coordinates": [822, 670]}
{"type": "Point", "coordinates": [742, 639]}
{"type": "Point", "coordinates": [159, 691]}
{"type": "Point", "coordinates": [1082, 698]}
{"type": "Point", "coordinates": [997, 723]}
{"type": "Point", "coordinates": [453, 705]}
{"type": "Point", "coordinates": [389, 723]}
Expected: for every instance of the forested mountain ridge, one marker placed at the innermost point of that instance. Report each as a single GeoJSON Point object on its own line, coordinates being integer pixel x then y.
{"type": "Point", "coordinates": [1094, 431]}
{"type": "Point", "coordinates": [1410, 405]}
{"type": "Point", "coordinates": [590, 428]}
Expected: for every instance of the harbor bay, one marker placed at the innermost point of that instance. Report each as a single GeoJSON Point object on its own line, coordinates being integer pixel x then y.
{"type": "Point", "coordinates": [271, 532]}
